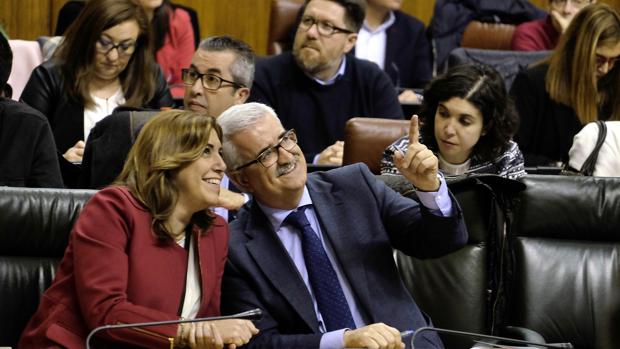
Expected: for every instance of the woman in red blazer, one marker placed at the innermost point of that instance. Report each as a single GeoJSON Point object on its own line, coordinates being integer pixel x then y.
{"type": "Point", "coordinates": [147, 249]}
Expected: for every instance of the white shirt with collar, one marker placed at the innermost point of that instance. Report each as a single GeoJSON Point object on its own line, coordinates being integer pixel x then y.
{"type": "Point", "coordinates": [371, 44]}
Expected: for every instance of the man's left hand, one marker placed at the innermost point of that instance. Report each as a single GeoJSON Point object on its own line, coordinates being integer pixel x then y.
{"type": "Point", "coordinates": [419, 165]}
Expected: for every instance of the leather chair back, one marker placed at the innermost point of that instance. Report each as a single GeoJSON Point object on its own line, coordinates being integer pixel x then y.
{"type": "Point", "coordinates": [107, 146]}
{"type": "Point", "coordinates": [366, 138]}
{"type": "Point", "coordinates": [490, 36]}
{"type": "Point", "coordinates": [34, 232]}
{"type": "Point", "coordinates": [281, 23]}
{"type": "Point", "coordinates": [461, 291]}
{"type": "Point", "coordinates": [507, 63]}
{"type": "Point", "coordinates": [566, 274]}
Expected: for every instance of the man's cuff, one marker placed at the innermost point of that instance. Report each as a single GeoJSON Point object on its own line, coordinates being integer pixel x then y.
{"type": "Point", "coordinates": [315, 160]}
{"type": "Point", "coordinates": [438, 202]}
{"type": "Point", "coordinates": [333, 339]}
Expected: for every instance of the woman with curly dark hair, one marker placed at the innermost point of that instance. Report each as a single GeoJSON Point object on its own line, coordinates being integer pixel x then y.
{"type": "Point", "coordinates": [468, 120]}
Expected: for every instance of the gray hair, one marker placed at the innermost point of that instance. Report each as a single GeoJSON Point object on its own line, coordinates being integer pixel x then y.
{"type": "Point", "coordinates": [236, 119]}
{"type": "Point", "coordinates": [242, 69]}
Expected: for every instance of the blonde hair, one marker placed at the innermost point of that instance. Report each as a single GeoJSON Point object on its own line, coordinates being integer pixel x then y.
{"type": "Point", "coordinates": [570, 79]}
{"type": "Point", "coordinates": [168, 142]}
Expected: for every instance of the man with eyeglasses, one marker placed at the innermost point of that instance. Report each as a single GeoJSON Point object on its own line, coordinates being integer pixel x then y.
{"type": "Point", "coordinates": [317, 87]}
{"type": "Point", "coordinates": [220, 75]}
{"type": "Point", "coordinates": [314, 251]}
{"type": "Point", "coordinates": [543, 34]}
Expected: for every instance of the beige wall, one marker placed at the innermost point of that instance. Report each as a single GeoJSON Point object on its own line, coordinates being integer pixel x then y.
{"type": "Point", "coordinates": [246, 19]}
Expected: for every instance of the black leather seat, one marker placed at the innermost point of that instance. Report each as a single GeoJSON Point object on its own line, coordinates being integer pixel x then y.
{"type": "Point", "coordinates": [507, 63]}
{"type": "Point", "coordinates": [107, 146]}
{"type": "Point", "coordinates": [554, 269]}
{"type": "Point", "coordinates": [34, 232]}
{"type": "Point", "coordinates": [463, 290]}
{"type": "Point", "coordinates": [565, 280]}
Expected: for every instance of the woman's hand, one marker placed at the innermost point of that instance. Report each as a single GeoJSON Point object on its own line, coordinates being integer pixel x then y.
{"type": "Point", "coordinates": [75, 153]}
{"type": "Point", "coordinates": [216, 334]}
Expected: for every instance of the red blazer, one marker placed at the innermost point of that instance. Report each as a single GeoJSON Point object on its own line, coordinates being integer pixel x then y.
{"type": "Point", "coordinates": [115, 271]}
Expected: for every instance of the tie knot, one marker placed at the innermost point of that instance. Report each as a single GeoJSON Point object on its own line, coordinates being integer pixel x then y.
{"type": "Point", "coordinates": [298, 218]}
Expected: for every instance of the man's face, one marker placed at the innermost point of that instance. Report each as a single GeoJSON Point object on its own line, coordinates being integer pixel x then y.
{"type": "Point", "coordinates": [198, 98]}
{"type": "Point", "coordinates": [279, 185]}
{"type": "Point", "coordinates": [566, 9]}
{"type": "Point", "coordinates": [316, 53]}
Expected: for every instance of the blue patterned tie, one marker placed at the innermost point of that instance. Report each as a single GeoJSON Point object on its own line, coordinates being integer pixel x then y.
{"type": "Point", "coordinates": [323, 279]}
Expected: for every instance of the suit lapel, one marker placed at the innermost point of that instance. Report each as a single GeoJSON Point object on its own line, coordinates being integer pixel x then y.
{"type": "Point", "coordinates": [271, 257]}
{"type": "Point", "coordinates": [344, 236]}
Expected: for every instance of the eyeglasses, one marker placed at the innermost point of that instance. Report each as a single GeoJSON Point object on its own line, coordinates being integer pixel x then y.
{"type": "Point", "coordinates": [124, 48]}
{"type": "Point", "coordinates": [576, 3]}
{"type": "Point", "coordinates": [324, 28]}
{"type": "Point", "coordinates": [601, 60]}
{"type": "Point", "coordinates": [270, 155]}
{"type": "Point", "coordinates": [210, 82]}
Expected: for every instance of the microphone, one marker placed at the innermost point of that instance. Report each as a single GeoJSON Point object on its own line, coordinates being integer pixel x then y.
{"type": "Point", "coordinates": [254, 314]}
{"type": "Point", "coordinates": [397, 82]}
{"type": "Point", "coordinates": [478, 335]}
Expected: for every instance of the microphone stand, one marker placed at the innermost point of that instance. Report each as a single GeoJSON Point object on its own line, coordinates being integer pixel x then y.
{"type": "Point", "coordinates": [253, 314]}
{"type": "Point", "coordinates": [478, 335]}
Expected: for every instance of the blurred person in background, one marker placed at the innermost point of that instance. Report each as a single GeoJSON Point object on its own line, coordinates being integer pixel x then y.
{"type": "Point", "coordinates": [578, 84]}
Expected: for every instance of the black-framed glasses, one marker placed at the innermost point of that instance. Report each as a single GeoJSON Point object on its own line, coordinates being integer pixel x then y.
{"type": "Point", "coordinates": [324, 28]}
{"type": "Point", "coordinates": [210, 81]}
{"type": "Point", "coordinates": [124, 48]}
{"type": "Point", "coordinates": [269, 156]}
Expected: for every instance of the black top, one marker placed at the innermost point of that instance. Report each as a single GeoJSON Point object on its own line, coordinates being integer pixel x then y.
{"type": "Point", "coordinates": [27, 150]}
{"type": "Point", "coordinates": [319, 113]}
{"type": "Point", "coordinates": [547, 127]}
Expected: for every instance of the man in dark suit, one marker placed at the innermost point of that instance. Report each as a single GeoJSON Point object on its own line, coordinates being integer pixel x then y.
{"type": "Point", "coordinates": [314, 252]}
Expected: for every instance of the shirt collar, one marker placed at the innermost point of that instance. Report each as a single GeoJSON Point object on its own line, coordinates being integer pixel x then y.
{"type": "Point", "coordinates": [332, 80]}
{"type": "Point", "coordinates": [276, 216]}
{"type": "Point", "coordinates": [383, 27]}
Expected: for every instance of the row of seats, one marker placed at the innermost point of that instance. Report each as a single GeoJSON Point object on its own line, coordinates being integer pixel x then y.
{"type": "Point", "coordinates": [542, 254]}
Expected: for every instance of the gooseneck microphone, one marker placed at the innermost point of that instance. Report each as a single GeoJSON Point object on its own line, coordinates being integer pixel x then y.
{"type": "Point", "coordinates": [254, 314]}
{"type": "Point", "coordinates": [486, 336]}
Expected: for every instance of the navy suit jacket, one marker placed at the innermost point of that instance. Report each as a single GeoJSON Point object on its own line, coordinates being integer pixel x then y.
{"type": "Point", "coordinates": [409, 49]}
{"type": "Point", "coordinates": [363, 220]}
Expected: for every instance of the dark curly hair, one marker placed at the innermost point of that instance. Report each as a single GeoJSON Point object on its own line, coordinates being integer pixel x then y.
{"type": "Point", "coordinates": [482, 86]}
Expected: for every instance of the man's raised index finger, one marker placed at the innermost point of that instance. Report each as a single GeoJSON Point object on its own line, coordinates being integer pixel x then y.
{"type": "Point", "coordinates": [414, 130]}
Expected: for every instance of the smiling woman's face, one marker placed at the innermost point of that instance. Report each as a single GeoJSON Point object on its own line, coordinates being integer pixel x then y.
{"type": "Point", "coordinates": [199, 182]}
{"type": "Point", "coordinates": [458, 127]}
